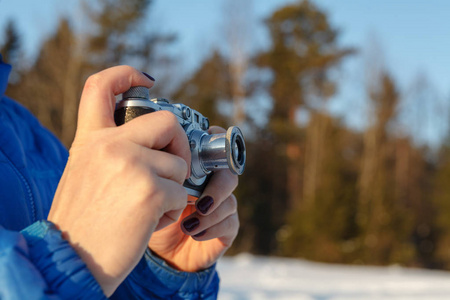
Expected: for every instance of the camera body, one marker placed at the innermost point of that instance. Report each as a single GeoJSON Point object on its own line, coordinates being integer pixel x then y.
{"type": "Point", "coordinates": [209, 152]}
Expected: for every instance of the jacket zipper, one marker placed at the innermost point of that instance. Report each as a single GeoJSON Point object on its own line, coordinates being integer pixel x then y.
{"type": "Point", "coordinates": [32, 205]}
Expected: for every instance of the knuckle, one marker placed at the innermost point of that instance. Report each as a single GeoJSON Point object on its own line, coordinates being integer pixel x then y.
{"type": "Point", "coordinates": [182, 167]}
{"type": "Point", "coordinates": [168, 121]}
{"type": "Point", "coordinates": [111, 151]}
{"type": "Point", "coordinates": [169, 118]}
{"type": "Point", "coordinates": [230, 224]}
{"type": "Point", "coordinates": [233, 223]}
{"type": "Point", "coordinates": [127, 69]}
{"type": "Point", "coordinates": [233, 203]}
{"type": "Point", "coordinates": [182, 195]}
{"type": "Point", "coordinates": [215, 215]}
{"type": "Point", "coordinates": [123, 83]}
{"type": "Point", "coordinates": [93, 82]}
{"type": "Point", "coordinates": [236, 223]}
{"type": "Point", "coordinates": [154, 195]}
{"type": "Point", "coordinates": [121, 158]}
{"type": "Point", "coordinates": [165, 199]}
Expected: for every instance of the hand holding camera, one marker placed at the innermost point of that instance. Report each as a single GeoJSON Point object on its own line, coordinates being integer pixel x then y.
{"type": "Point", "coordinates": [118, 187]}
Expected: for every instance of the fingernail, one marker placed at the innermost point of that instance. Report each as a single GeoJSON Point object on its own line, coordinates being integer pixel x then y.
{"type": "Point", "coordinates": [201, 233]}
{"type": "Point", "coordinates": [191, 224]}
{"type": "Point", "coordinates": [148, 76]}
{"type": "Point", "coordinates": [204, 204]}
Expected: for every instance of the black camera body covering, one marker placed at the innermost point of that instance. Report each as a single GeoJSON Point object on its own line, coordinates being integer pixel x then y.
{"type": "Point", "coordinates": [209, 152]}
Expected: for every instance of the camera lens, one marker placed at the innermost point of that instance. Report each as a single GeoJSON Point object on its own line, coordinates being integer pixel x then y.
{"type": "Point", "coordinates": [217, 151]}
{"type": "Point", "coordinates": [235, 148]}
{"type": "Point", "coordinates": [239, 150]}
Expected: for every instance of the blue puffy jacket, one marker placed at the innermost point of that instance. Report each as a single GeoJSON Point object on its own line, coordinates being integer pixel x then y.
{"type": "Point", "coordinates": [35, 261]}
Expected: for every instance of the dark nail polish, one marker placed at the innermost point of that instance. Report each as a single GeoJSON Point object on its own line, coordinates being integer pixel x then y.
{"type": "Point", "coordinates": [191, 224]}
{"type": "Point", "coordinates": [148, 76]}
{"type": "Point", "coordinates": [200, 234]}
{"type": "Point", "coordinates": [204, 204]}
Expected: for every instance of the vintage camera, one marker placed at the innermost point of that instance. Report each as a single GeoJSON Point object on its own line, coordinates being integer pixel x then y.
{"type": "Point", "coordinates": [209, 152]}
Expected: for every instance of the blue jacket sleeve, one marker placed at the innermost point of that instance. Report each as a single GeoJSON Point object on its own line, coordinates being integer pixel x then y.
{"type": "Point", "coordinates": [153, 278]}
{"type": "Point", "coordinates": [39, 264]}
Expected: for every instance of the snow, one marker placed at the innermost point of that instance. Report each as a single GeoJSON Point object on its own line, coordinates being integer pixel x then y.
{"type": "Point", "coordinates": [258, 278]}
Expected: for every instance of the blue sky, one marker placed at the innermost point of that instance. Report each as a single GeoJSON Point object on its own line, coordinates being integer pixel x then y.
{"type": "Point", "coordinates": [414, 35]}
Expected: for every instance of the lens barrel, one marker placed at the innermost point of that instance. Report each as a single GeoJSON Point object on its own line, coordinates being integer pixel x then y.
{"type": "Point", "coordinates": [218, 151]}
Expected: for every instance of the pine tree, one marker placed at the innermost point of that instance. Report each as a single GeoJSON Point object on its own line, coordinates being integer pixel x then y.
{"type": "Point", "coordinates": [11, 45]}
{"type": "Point", "coordinates": [304, 49]}
{"type": "Point", "coordinates": [207, 88]}
{"type": "Point", "coordinates": [325, 229]}
{"type": "Point", "coordinates": [50, 89]}
{"type": "Point", "coordinates": [386, 219]}
{"type": "Point", "coordinates": [11, 50]}
{"type": "Point", "coordinates": [441, 196]}
{"type": "Point", "coordinates": [113, 22]}
{"type": "Point", "coordinates": [303, 52]}
{"type": "Point", "coordinates": [120, 34]}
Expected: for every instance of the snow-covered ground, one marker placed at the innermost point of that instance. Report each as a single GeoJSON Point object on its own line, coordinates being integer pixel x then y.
{"type": "Point", "coordinates": [259, 278]}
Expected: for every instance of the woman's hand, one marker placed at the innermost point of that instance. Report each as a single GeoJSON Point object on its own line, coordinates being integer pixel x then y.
{"type": "Point", "coordinates": [118, 187]}
{"type": "Point", "coordinates": [205, 231]}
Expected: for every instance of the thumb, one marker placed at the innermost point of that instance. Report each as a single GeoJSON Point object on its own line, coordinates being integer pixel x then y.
{"type": "Point", "coordinates": [98, 100]}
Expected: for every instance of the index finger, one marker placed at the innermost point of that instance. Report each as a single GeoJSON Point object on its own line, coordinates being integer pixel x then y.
{"type": "Point", "coordinates": [98, 100]}
{"type": "Point", "coordinates": [160, 131]}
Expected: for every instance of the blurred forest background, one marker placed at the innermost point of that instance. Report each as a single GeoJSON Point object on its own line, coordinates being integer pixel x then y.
{"type": "Point", "coordinates": [314, 187]}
